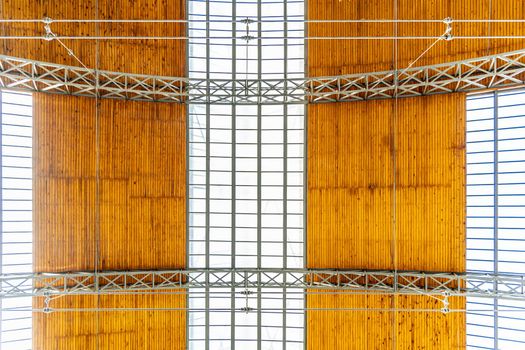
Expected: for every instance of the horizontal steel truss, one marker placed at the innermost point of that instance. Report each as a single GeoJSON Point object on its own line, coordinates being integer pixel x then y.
{"type": "Point", "coordinates": [501, 70]}
{"type": "Point", "coordinates": [383, 282]}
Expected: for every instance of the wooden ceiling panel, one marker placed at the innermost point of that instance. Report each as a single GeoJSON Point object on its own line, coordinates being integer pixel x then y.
{"type": "Point", "coordinates": [153, 57]}
{"type": "Point", "coordinates": [356, 56]}
{"type": "Point", "coordinates": [88, 329]}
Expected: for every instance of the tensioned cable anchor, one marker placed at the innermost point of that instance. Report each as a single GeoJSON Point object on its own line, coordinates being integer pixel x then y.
{"type": "Point", "coordinates": [47, 309]}
{"type": "Point", "coordinates": [448, 31]}
{"type": "Point", "coordinates": [447, 35]}
{"type": "Point", "coordinates": [247, 37]}
{"type": "Point", "coordinates": [247, 309]}
{"type": "Point", "coordinates": [445, 309]}
{"type": "Point", "coordinates": [49, 35]}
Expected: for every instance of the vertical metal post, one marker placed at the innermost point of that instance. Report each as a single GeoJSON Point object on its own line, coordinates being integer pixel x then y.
{"type": "Point", "coordinates": [393, 247]}
{"type": "Point", "coordinates": [496, 223]}
{"type": "Point", "coordinates": [188, 216]}
{"type": "Point", "coordinates": [1, 205]}
{"type": "Point", "coordinates": [259, 174]}
{"type": "Point", "coordinates": [207, 195]}
{"type": "Point", "coordinates": [234, 165]}
{"type": "Point", "coordinates": [285, 165]}
{"type": "Point", "coordinates": [305, 174]}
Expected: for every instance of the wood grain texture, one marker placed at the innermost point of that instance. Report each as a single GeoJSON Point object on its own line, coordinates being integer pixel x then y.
{"type": "Point", "coordinates": [64, 177]}
{"type": "Point", "coordinates": [430, 183]}
{"type": "Point", "coordinates": [369, 209]}
{"type": "Point", "coordinates": [156, 57]}
{"type": "Point", "coordinates": [350, 177]}
{"type": "Point", "coordinates": [125, 211]}
{"type": "Point", "coordinates": [141, 185]}
{"type": "Point", "coordinates": [125, 208]}
{"type": "Point", "coordinates": [386, 190]}
{"type": "Point", "coordinates": [90, 330]}
{"type": "Point", "coordinates": [364, 322]}
{"type": "Point", "coordinates": [334, 57]}
{"type": "Point", "coordinates": [351, 184]}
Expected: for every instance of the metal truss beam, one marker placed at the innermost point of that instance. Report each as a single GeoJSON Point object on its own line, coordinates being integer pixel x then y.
{"type": "Point", "coordinates": [501, 70]}
{"type": "Point", "coordinates": [384, 282]}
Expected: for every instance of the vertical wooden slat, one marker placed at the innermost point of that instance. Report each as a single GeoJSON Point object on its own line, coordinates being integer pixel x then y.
{"type": "Point", "coordinates": [142, 215]}
{"type": "Point", "coordinates": [351, 193]}
{"type": "Point", "coordinates": [334, 57]}
{"type": "Point", "coordinates": [346, 228]}
{"type": "Point", "coordinates": [349, 185]}
{"type": "Point", "coordinates": [141, 180]}
{"type": "Point", "coordinates": [64, 183]}
{"type": "Point", "coordinates": [156, 57]}
{"type": "Point", "coordinates": [430, 183]}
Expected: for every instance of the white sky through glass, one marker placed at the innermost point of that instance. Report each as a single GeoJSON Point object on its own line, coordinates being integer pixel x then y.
{"type": "Point", "coordinates": [246, 175]}
{"type": "Point", "coordinates": [16, 229]}
{"type": "Point", "coordinates": [496, 212]}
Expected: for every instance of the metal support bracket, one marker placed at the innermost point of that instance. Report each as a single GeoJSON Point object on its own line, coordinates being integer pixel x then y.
{"type": "Point", "coordinates": [445, 309]}
{"type": "Point", "coordinates": [49, 35]}
{"type": "Point", "coordinates": [448, 31]}
{"type": "Point", "coordinates": [47, 300]}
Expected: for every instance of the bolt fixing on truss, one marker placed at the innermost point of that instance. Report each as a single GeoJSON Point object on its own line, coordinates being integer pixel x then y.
{"type": "Point", "coordinates": [445, 309]}
{"type": "Point", "coordinates": [246, 309]}
{"type": "Point", "coordinates": [247, 37]}
{"type": "Point", "coordinates": [247, 20]}
{"type": "Point", "coordinates": [47, 309]}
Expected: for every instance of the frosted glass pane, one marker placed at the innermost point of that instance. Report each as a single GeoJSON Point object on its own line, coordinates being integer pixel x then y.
{"type": "Point", "coordinates": [16, 195]}
{"type": "Point", "coordinates": [495, 212]}
{"type": "Point", "coordinates": [242, 181]}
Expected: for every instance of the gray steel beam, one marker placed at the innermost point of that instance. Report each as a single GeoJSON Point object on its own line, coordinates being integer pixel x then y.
{"type": "Point", "coordinates": [259, 174]}
{"type": "Point", "coordinates": [285, 176]}
{"type": "Point", "coordinates": [500, 70]}
{"type": "Point", "coordinates": [1, 207]}
{"type": "Point", "coordinates": [496, 217]}
{"type": "Point", "coordinates": [233, 175]}
{"type": "Point", "coordinates": [207, 187]}
{"type": "Point", "coordinates": [386, 282]}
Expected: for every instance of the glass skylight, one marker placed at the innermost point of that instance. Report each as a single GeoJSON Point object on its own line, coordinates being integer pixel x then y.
{"type": "Point", "coordinates": [16, 224]}
{"type": "Point", "coordinates": [246, 175]}
{"type": "Point", "coordinates": [496, 212]}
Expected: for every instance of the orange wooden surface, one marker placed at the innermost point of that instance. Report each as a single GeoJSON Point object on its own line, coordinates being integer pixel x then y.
{"type": "Point", "coordinates": [365, 322]}
{"type": "Point", "coordinates": [386, 191]}
{"type": "Point", "coordinates": [157, 57]}
{"type": "Point", "coordinates": [90, 330]}
{"type": "Point", "coordinates": [351, 195]}
{"type": "Point", "coordinates": [126, 210]}
{"type": "Point", "coordinates": [369, 209]}
{"type": "Point", "coordinates": [333, 57]}
{"type": "Point", "coordinates": [109, 193]}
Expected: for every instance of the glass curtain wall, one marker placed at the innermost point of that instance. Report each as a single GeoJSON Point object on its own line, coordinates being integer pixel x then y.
{"type": "Point", "coordinates": [246, 172]}
{"type": "Point", "coordinates": [496, 213]}
{"type": "Point", "coordinates": [16, 204]}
